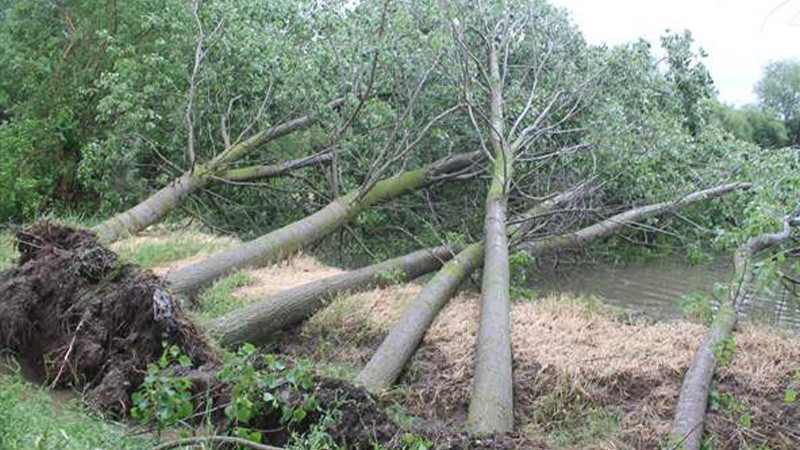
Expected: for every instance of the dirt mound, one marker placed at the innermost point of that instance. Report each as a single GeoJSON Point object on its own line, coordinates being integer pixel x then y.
{"type": "Point", "coordinates": [87, 319]}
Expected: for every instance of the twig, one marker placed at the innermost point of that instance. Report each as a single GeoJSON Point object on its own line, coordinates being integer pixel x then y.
{"type": "Point", "coordinates": [220, 439]}
{"type": "Point", "coordinates": [66, 356]}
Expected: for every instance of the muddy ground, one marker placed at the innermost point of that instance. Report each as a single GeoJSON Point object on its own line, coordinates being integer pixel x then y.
{"type": "Point", "coordinates": [584, 376]}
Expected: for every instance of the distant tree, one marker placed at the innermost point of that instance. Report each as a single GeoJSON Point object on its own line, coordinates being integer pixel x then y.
{"type": "Point", "coordinates": [779, 91]}
{"type": "Point", "coordinates": [688, 76]}
{"type": "Point", "coordinates": [752, 124]}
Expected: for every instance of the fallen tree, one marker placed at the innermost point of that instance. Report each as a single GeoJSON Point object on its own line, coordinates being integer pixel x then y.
{"type": "Point", "coordinates": [690, 412]}
{"type": "Point", "coordinates": [385, 366]}
{"type": "Point", "coordinates": [490, 409]}
{"type": "Point", "coordinates": [256, 322]}
{"type": "Point", "coordinates": [283, 242]}
{"type": "Point", "coordinates": [154, 208]}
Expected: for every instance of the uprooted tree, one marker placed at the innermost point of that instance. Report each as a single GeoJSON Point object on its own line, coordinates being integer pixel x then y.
{"type": "Point", "coordinates": [690, 412]}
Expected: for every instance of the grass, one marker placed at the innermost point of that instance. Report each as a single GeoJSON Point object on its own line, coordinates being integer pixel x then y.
{"type": "Point", "coordinates": [218, 300]}
{"type": "Point", "coordinates": [30, 419]}
{"type": "Point", "coordinates": [155, 252]}
{"type": "Point", "coordinates": [592, 427]}
{"type": "Point", "coordinates": [8, 251]}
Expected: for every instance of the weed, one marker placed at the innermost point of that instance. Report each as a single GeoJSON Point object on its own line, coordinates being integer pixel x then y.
{"type": "Point", "coordinates": [163, 398]}
{"type": "Point", "coordinates": [724, 350]}
{"type": "Point", "coordinates": [284, 388]}
{"type": "Point", "coordinates": [519, 263]}
{"type": "Point", "coordinates": [317, 437]}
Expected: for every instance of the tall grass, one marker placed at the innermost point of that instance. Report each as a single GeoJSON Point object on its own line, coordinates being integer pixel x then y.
{"type": "Point", "coordinates": [31, 420]}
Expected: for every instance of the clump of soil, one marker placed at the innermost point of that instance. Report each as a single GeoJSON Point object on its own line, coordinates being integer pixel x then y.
{"type": "Point", "coordinates": [86, 319]}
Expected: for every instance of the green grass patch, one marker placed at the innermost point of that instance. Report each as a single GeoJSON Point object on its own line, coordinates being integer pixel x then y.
{"type": "Point", "coordinates": [592, 426]}
{"type": "Point", "coordinates": [160, 251]}
{"type": "Point", "coordinates": [8, 250]}
{"type": "Point", "coordinates": [30, 419]}
{"type": "Point", "coordinates": [218, 300]}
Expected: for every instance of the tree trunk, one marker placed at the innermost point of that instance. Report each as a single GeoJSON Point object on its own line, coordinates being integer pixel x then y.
{"type": "Point", "coordinates": [154, 208]}
{"type": "Point", "coordinates": [690, 413]}
{"type": "Point", "coordinates": [491, 406]}
{"type": "Point", "coordinates": [615, 223]}
{"type": "Point", "coordinates": [256, 322]}
{"type": "Point", "coordinates": [151, 210]}
{"type": "Point", "coordinates": [283, 242]}
{"type": "Point", "coordinates": [385, 366]}
{"type": "Point", "coordinates": [398, 347]}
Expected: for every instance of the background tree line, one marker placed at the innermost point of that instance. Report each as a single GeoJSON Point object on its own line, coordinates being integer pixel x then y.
{"type": "Point", "coordinates": [103, 102]}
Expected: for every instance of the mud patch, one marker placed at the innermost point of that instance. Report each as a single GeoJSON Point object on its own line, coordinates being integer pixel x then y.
{"type": "Point", "coordinates": [87, 320]}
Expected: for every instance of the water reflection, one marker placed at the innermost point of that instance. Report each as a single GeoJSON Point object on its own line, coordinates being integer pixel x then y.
{"type": "Point", "coordinates": [656, 287]}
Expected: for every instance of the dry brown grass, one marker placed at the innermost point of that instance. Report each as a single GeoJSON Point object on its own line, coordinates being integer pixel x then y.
{"type": "Point", "coordinates": [290, 273]}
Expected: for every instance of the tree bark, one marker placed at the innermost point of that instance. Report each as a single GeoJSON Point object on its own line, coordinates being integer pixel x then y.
{"type": "Point", "coordinates": [491, 406]}
{"type": "Point", "coordinates": [256, 322]}
{"type": "Point", "coordinates": [154, 208]}
{"type": "Point", "coordinates": [283, 242]}
{"type": "Point", "coordinates": [388, 362]}
{"type": "Point", "coordinates": [615, 223]}
{"type": "Point", "coordinates": [690, 413]}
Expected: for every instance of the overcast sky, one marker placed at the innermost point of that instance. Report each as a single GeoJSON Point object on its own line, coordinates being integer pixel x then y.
{"type": "Point", "coordinates": [740, 36]}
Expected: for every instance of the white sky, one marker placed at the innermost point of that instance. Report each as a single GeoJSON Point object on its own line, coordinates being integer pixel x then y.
{"type": "Point", "coordinates": [740, 36]}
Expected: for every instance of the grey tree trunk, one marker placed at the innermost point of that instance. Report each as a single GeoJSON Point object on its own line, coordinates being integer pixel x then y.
{"type": "Point", "coordinates": [615, 223]}
{"type": "Point", "coordinates": [492, 404]}
{"type": "Point", "coordinates": [283, 242]}
{"type": "Point", "coordinates": [154, 208]}
{"type": "Point", "coordinates": [690, 413]}
{"type": "Point", "coordinates": [396, 350]}
{"type": "Point", "coordinates": [256, 322]}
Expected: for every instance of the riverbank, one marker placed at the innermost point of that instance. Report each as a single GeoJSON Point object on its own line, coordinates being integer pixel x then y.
{"type": "Point", "coordinates": [586, 375]}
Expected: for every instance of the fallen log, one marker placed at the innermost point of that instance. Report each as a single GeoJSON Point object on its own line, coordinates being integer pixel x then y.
{"type": "Point", "coordinates": [617, 222]}
{"type": "Point", "coordinates": [396, 350]}
{"type": "Point", "coordinates": [690, 412]}
{"type": "Point", "coordinates": [256, 322]}
{"type": "Point", "coordinates": [154, 208]}
{"type": "Point", "coordinates": [283, 242]}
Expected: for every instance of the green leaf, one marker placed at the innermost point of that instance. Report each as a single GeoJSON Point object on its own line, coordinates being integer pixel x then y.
{"type": "Point", "coordinates": [746, 420]}
{"type": "Point", "coordinates": [790, 396]}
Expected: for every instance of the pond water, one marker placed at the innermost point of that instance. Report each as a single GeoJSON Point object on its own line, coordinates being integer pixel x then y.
{"type": "Point", "coordinates": [656, 287]}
